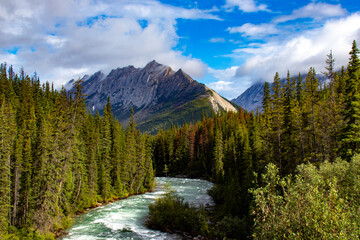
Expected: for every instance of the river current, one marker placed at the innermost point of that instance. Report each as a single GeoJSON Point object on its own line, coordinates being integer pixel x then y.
{"type": "Point", "coordinates": [124, 219]}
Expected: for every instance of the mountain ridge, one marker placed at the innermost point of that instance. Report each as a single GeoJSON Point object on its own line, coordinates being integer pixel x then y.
{"type": "Point", "coordinates": [159, 95]}
{"type": "Point", "coordinates": [251, 98]}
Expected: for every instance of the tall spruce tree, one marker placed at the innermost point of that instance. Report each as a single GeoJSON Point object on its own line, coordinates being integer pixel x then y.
{"type": "Point", "coordinates": [277, 120]}
{"type": "Point", "coordinates": [311, 97]}
{"type": "Point", "coordinates": [289, 144]}
{"type": "Point", "coordinates": [218, 157]}
{"type": "Point", "coordinates": [351, 133]}
{"type": "Point", "coordinates": [7, 136]}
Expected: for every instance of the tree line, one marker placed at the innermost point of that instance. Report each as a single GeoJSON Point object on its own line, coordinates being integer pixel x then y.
{"type": "Point", "coordinates": [56, 159]}
{"type": "Point", "coordinates": [304, 121]}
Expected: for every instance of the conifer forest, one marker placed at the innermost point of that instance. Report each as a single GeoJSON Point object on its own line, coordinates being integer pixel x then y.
{"type": "Point", "coordinates": [290, 171]}
{"type": "Point", "coordinates": [57, 160]}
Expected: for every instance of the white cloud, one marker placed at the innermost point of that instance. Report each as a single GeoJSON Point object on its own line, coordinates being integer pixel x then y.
{"type": "Point", "coordinates": [314, 11]}
{"type": "Point", "coordinates": [220, 86]}
{"type": "Point", "coordinates": [227, 83]}
{"type": "Point", "coordinates": [217, 40]}
{"type": "Point", "coordinates": [245, 5]}
{"type": "Point", "coordinates": [298, 54]}
{"type": "Point", "coordinates": [255, 31]}
{"type": "Point", "coordinates": [65, 39]}
{"type": "Point", "coordinates": [151, 9]}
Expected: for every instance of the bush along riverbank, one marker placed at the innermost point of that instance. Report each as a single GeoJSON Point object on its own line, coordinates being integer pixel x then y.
{"type": "Point", "coordinates": [170, 213]}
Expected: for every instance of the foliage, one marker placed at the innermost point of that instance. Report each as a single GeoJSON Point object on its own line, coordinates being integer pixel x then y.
{"type": "Point", "coordinates": [231, 228]}
{"type": "Point", "coordinates": [314, 204]}
{"type": "Point", "coordinates": [56, 159]}
{"type": "Point", "coordinates": [304, 120]}
{"type": "Point", "coordinates": [170, 213]}
{"type": "Point", "coordinates": [188, 112]}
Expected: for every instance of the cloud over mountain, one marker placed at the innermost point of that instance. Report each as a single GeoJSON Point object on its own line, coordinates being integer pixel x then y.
{"type": "Point", "coordinates": [65, 39]}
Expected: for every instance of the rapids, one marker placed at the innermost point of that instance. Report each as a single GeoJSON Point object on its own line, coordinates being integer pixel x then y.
{"type": "Point", "coordinates": [124, 219]}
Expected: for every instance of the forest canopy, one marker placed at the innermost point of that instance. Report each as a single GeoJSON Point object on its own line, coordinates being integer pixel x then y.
{"type": "Point", "coordinates": [303, 121]}
{"type": "Point", "coordinates": [56, 159]}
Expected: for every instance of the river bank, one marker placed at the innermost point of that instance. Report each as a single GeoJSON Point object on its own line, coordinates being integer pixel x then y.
{"type": "Point", "coordinates": [124, 219]}
{"type": "Point", "coordinates": [63, 232]}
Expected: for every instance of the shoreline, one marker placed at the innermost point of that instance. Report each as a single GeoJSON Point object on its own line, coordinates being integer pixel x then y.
{"type": "Point", "coordinates": [63, 232]}
{"type": "Point", "coordinates": [184, 235]}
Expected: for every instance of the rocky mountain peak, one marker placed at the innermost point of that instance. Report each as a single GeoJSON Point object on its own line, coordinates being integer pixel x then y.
{"type": "Point", "coordinates": [154, 66]}
{"type": "Point", "coordinates": [158, 95]}
{"type": "Point", "coordinates": [180, 74]}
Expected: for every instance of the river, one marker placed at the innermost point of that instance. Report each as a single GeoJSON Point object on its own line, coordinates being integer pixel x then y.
{"type": "Point", "coordinates": [124, 219]}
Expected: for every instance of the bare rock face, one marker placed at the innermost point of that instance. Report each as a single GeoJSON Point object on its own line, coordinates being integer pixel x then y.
{"type": "Point", "coordinates": [158, 95]}
{"type": "Point", "coordinates": [251, 99]}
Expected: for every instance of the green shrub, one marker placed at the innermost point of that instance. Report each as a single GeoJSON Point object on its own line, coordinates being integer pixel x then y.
{"type": "Point", "coordinates": [170, 213]}
{"type": "Point", "coordinates": [317, 203]}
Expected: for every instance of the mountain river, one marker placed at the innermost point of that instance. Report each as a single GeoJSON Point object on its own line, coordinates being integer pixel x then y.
{"type": "Point", "coordinates": [124, 219]}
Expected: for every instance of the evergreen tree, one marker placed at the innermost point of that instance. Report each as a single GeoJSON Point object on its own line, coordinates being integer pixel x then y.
{"type": "Point", "coordinates": [289, 137]}
{"type": "Point", "coordinates": [330, 67]}
{"type": "Point", "coordinates": [311, 97]}
{"type": "Point", "coordinates": [276, 120]}
{"type": "Point", "coordinates": [7, 136]}
{"type": "Point", "coordinates": [131, 154]}
{"type": "Point", "coordinates": [351, 132]}
{"type": "Point", "coordinates": [118, 158]}
{"type": "Point", "coordinates": [105, 153]}
{"type": "Point", "coordinates": [266, 106]}
{"type": "Point", "coordinates": [218, 157]}
{"type": "Point", "coordinates": [56, 159]}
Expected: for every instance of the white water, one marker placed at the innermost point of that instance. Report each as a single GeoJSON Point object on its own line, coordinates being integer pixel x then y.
{"type": "Point", "coordinates": [124, 219]}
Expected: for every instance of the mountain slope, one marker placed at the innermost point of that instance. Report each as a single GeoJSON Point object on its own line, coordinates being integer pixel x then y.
{"type": "Point", "coordinates": [251, 99]}
{"type": "Point", "coordinates": [158, 95]}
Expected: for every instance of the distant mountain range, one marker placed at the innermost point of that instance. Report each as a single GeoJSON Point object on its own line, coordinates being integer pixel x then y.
{"type": "Point", "coordinates": [251, 99]}
{"type": "Point", "coordinates": [158, 95]}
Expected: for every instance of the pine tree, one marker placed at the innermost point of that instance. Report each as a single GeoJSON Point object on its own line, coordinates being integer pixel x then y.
{"type": "Point", "coordinates": [7, 136]}
{"type": "Point", "coordinates": [118, 158]}
{"type": "Point", "coordinates": [140, 164]}
{"type": "Point", "coordinates": [289, 144]}
{"type": "Point", "coordinates": [17, 162]}
{"type": "Point", "coordinates": [45, 179]}
{"type": "Point", "coordinates": [330, 67]}
{"type": "Point", "coordinates": [299, 116]}
{"type": "Point", "coordinates": [91, 138]}
{"type": "Point", "coordinates": [266, 106]}
{"type": "Point", "coordinates": [218, 157]}
{"type": "Point", "coordinates": [130, 162]}
{"type": "Point", "coordinates": [311, 98]}
{"type": "Point", "coordinates": [105, 153]}
{"type": "Point", "coordinates": [148, 164]}
{"type": "Point", "coordinates": [276, 120]}
{"type": "Point", "coordinates": [351, 132]}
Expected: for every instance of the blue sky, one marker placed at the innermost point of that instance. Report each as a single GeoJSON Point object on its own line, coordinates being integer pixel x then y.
{"type": "Point", "coordinates": [228, 45]}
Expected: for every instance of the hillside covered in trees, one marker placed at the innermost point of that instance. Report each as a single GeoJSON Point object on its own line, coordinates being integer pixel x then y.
{"type": "Point", "coordinates": [57, 160]}
{"type": "Point", "coordinates": [303, 122]}
{"type": "Point", "coordinates": [277, 173]}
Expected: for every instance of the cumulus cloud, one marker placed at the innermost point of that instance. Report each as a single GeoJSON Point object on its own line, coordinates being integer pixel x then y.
{"type": "Point", "coordinates": [254, 31]}
{"type": "Point", "coordinates": [245, 5]}
{"type": "Point", "coordinates": [69, 38]}
{"type": "Point", "coordinates": [314, 11]}
{"type": "Point", "coordinates": [299, 53]}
